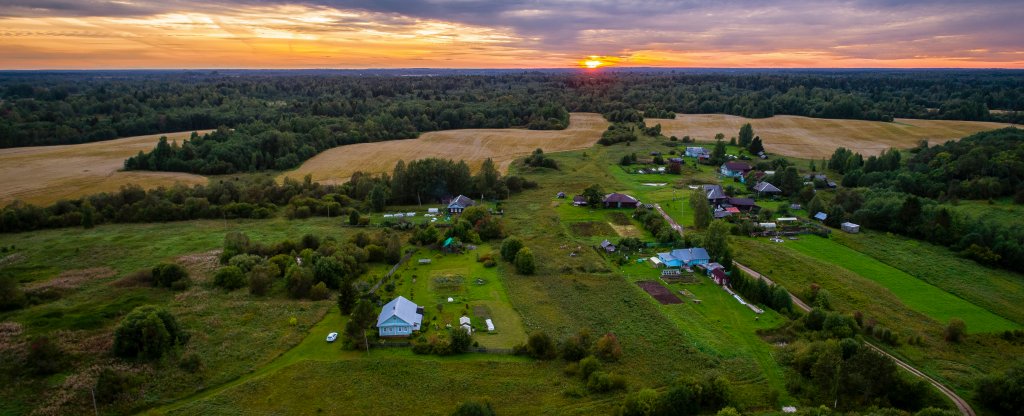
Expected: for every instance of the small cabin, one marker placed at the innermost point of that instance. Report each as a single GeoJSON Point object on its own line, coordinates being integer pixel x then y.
{"type": "Point", "coordinates": [850, 227]}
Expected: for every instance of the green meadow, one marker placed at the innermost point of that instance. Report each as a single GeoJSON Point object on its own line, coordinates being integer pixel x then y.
{"type": "Point", "coordinates": [915, 293]}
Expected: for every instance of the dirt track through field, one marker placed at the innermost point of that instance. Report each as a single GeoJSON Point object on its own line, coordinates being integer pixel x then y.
{"type": "Point", "coordinates": [806, 137]}
{"type": "Point", "coordinates": [44, 174]}
{"type": "Point", "coordinates": [472, 145]}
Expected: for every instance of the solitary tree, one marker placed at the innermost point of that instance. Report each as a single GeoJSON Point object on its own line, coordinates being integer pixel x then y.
{"type": "Point", "coordinates": [701, 208]}
{"type": "Point", "coordinates": [147, 332]}
{"type": "Point", "coordinates": [594, 195]}
{"type": "Point", "coordinates": [746, 135]}
{"type": "Point", "coordinates": [716, 239]}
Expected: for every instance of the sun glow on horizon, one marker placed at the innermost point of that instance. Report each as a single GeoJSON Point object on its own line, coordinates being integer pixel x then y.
{"type": "Point", "coordinates": [593, 62]}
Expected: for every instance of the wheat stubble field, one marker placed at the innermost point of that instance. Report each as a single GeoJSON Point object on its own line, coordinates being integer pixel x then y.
{"type": "Point", "coordinates": [812, 138]}
{"type": "Point", "coordinates": [45, 174]}
{"type": "Point", "coordinates": [472, 145]}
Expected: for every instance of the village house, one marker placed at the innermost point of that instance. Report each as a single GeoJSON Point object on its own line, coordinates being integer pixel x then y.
{"type": "Point", "coordinates": [743, 204]}
{"type": "Point", "coordinates": [850, 227]}
{"type": "Point", "coordinates": [735, 170]}
{"type": "Point", "coordinates": [460, 203]}
{"type": "Point", "coordinates": [617, 200]}
{"type": "Point", "coordinates": [697, 152]}
{"type": "Point", "coordinates": [608, 246]}
{"type": "Point", "coordinates": [716, 195]}
{"type": "Point", "coordinates": [684, 257]}
{"type": "Point", "coordinates": [765, 188]}
{"type": "Point", "coordinates": [579, 200]}
{"type": "Point", "coordinates": [399, 318]}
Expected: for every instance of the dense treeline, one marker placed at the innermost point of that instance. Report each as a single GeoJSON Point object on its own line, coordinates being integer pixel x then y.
{"type": "Point", "coordinates": [277, 121]}
{"type": "Point", "coordinates": [425, 181]}
{"type": "Point", "coordinates": [915, 198]}
{"type": "Point", "coordinates": [64, 108]}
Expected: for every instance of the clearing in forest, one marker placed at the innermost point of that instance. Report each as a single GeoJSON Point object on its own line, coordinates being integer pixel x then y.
{"type": "Point", "coordinates": [472, 145]}
{"type": "Point", "coordinates": [807, 137]}
{"type": "Point", "coordinates": [45, 174]}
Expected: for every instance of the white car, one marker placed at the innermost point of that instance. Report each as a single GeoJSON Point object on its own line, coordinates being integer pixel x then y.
{"type": "Point", "coordinates": [332, 336]}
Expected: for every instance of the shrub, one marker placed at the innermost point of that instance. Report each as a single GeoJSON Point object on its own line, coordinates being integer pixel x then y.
{"type": "Point", "coordinates": [576, 347]}
{"type": "Point", "coordinates": [473, 408]}
{"type": "Point", "coordinates": [640, 403]}
{"type": "Point", "coordinates": [299, 282]}
{"type": "Point", "coordinates": [261, 278]}
{"type": "Point", "coordinates": [190, 362]}
{"type": "Point", "coordinates": [229, 278]}
{"type": "Point", "coordinates": [147, 332]}
{"type": "Point", "coordinates": [245, 262]}
{"type": "Point", "coordinates": [955, 330]}
{"type": "Point", "coordinates": [538, 345]}
{"type": "Point", "coordinates": [602, 382]}
{"type": "Point", "coordinates": [589, 366]}
{"type": "Point", "coordinates": [319, 291]}
{"type": "Point", "coordinates": [509, 248]}
{"type": "Point", "coordinates": [1003, 393]}
{"type": "Point", "coordinates": [608, 348]}
{"type": "Point", "coordinates": [460, 340]}
{"type": "Point", "coordinates": [164, 275]}
{"type": "Point", "coordinates": [112, 385]}
{"type": "Point", "coordinates": [524, 261]}
{"type": "Point", "coordinates": [44, 356]}
{"type": "Point", "coordinates": [11, 295]}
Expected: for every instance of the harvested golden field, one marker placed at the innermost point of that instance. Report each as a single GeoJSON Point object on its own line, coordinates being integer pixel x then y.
{"type": "Point", "coordinates": [472, 145]}
{"type": "Point", "coordinates": [42, 175]}
{"type": "Point", "coordinates": [807, 137]}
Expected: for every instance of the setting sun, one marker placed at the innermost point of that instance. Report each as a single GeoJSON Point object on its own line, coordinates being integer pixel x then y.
{"type": "Point", "coordinates": [592, 63]}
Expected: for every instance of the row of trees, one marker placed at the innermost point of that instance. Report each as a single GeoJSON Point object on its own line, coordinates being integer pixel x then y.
{"type": "Point", "coordinates": [421, 181]}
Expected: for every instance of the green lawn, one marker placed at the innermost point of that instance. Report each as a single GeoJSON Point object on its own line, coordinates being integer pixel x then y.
{"type": "Point", "coordinates": [915, 293]}
{"type": "Point", "coordinates": [481, 290]}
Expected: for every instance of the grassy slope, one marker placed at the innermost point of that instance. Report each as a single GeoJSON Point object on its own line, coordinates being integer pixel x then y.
{"type": "Point", "coordinates": [958, 365]}
{"type": "Point", "coordinates": [916, 294]}
{"type": "Point", "coordinates": [996, 290]}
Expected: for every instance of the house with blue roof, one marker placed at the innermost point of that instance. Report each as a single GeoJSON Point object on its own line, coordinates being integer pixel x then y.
{"type": "Point", "coordinates": [685, 257]}
{"type": "Point", "coordinates": [399, 318]}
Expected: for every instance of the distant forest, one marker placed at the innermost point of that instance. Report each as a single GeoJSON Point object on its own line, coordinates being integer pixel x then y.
{"type": "Point", "coordinates": [276, 121]}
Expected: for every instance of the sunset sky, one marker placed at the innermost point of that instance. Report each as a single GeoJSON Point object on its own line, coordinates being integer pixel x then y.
{"type": "Point", "coordinates": [105, 34]}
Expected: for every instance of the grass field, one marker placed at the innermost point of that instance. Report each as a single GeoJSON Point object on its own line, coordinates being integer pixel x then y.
{"type": "Point", "coordinates": [996, 290]}
{"type": "Point", "coordinates": [815, 138]}
{"type": "Point", "coordinates": [45, 174]}
{"type": "Point", "coordinates": [472, 145]}
{"type": "Point", "coordinates": [915, 293]}
{"type": "Point", "coordinates": [957, 365]}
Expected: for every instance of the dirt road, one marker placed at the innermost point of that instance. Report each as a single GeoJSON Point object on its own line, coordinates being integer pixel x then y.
{"type": "Point", "coordinates": [960, 403]}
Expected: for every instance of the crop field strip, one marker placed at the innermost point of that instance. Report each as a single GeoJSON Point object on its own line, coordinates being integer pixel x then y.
{"type": "Point", "coordinates": [45, 174]}
{"type": "Point", "coordinates": [815, 138]}
{"type": "Point", "coordinates": [472, 145]}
